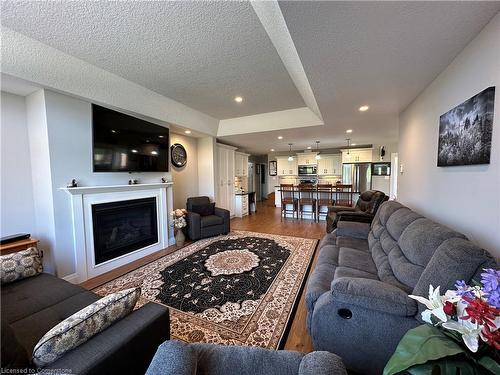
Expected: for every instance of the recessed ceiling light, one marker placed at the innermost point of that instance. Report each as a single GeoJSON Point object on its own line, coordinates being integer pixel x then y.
{"type": "Point", "coordinates": [353, 144]}
{"type": "Point", "coordinates": [309, 147]}
{"type": "Point", "coordinates": [154, 152]}
{"type": "Point", "coordinates": [364, 108]}
{"type": "Point", "coordinates": [280, 137]}
{"type": "Point", "coordinates": [134, 151]}
{"type": "Point", "coordinates": [160, 136]}
{"type": "Point", "coordinates": [187, 131]}
{"type": "Point", "coordinates": [348, 131]}
{"type": "Point", "coordinates": [238, 99]}
{"type": "Point", "coordinates": [113, 131]}
{"type": "Point", "coordinates": [272, 150]}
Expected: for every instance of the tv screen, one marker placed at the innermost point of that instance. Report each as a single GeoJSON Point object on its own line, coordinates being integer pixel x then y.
{"type": "Point", "coordinates": [123, 143]}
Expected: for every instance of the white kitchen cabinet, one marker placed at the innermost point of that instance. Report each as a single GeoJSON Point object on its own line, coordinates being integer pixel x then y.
{"type": "Point", "coordinates": [330, 165]}
{"type": "Point", "coordinates": [307, 158]}
{"type": "Point", "coordinates": [240, 164]}
{"type": "Point", "coordinates": [286, 167]}
{"type": "Point", "coordinates": [225, 177]}
{"type": "Point", "coordinates": [357, 156]}
{"type": "Point", "coordinates": [241, 205]}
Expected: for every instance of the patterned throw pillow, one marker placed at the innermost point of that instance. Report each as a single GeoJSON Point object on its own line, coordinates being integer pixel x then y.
{"type": "Point", "coordinates": [20, 265]}
{"type": "Point", "coordinates": [84, 324]}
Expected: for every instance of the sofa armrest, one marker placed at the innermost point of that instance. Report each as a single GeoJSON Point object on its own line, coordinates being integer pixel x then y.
{"type": "Point", "coordinates": [193, 225]}
{"type": "Point", "coordinates": [374, 295]}
{"type": "Point", "coordinates": [125, 347]}
{"type": "Point", "coordinates": [322, 363]}
{"type": "Point", "coordinates": [221, 212]}
{"type": "Point", "coordinates": [337, 209]}
{"type": "Point", "coordinates": [173, 357]}
{"type": "Point", "coordinates": [353, 229]}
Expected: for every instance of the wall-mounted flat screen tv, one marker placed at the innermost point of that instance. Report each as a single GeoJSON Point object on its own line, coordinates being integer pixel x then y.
{"type": "Point", "coordinates": [123, 143]}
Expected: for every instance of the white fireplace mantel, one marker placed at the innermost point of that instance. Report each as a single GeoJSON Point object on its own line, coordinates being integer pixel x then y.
{"type": "Point", "coordinates": [82, 199]}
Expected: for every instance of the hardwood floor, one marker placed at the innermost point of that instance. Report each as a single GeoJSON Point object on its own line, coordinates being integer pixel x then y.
{"type": "Point", "coordinates": [265, 220]}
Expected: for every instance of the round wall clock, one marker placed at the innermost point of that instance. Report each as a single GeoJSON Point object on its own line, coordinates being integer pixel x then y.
{"type": "Point", "coordinates": [178, 155]}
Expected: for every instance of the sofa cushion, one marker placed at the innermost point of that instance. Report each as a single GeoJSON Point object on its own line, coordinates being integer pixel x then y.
{"type": "Point", "coordinates": [208, 221]}
{"type": "Point", "coordinates": [353, 272]}
{"type": "Point", "coordinates": [20, 265]}
{"type": "Point", "coordinates": [205, 209]}
{"type": "Point", "coordinates": [358, 259]}
{"type": "Point", "coordinates": [14, 355]}
{"type": "Point", "coordinates": [25, 297]}
{"type": "Point", "coordinates": [81, 326]}
{"type": "Point", "coordinates": [353, 243]}
{"type": "Point", "coordinates": [329, 254]}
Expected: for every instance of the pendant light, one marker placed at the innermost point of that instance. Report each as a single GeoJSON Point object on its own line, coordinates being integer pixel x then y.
{"type": "Point", "coordinates": [317, 157]}
{"type": "Point", "coordinates": [290, 156]}
{"type": "Point", "coordinates": [348, 147]}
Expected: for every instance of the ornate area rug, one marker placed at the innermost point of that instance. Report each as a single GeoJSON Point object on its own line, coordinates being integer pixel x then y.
{"type": "Point", "coordinates": [238, 289]}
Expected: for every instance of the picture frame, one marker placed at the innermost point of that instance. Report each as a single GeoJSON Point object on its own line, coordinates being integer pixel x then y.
{"type": "Point", "coordinates": [273, 168]}
{"type": "Point", "coordinates": [465, 132]}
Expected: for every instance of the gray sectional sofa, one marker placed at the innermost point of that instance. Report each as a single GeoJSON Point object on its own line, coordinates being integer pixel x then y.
{"type": "Point", "coordinates": [32, 306]}
{"type": "Point", "coordinates": [357, 295]}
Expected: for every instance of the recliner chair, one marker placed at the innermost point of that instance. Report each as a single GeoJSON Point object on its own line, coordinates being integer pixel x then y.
{"type": "Point", "coordinates": [203, 226]}
{"type": "Point", "coordinates": [364, 211]}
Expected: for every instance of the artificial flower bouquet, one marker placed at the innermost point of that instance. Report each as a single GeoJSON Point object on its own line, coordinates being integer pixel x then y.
{"type": "Point", "coordinates": [179, 218]}
{"type": "Point", "coordinates": [462, 335]}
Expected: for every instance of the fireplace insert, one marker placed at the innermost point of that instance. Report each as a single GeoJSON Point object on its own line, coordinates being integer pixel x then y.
{"type": "Point", "coordinates": [123, 227]}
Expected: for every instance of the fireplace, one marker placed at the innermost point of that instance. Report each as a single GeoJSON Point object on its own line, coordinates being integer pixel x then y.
{"type": "Point", "coordinates": [123, 227]}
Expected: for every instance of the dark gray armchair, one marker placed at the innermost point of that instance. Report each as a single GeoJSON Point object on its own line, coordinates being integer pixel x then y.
{"type": "Point", "coordinates": [364, 211]}
{"type": "Point", "coordinates": [202, 226]}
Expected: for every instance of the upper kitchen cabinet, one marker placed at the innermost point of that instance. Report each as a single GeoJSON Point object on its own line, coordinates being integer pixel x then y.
{"type": "Point", "coordinates": [240, 164]}
{"type": "Point", "coordinates": [286, 167]}
{"type": "Point", "coordinates": [357, 156]}
{"type": "Point", "coordinates": [330, 165]}
{"type": "Point", "coordinates": [307, 158]}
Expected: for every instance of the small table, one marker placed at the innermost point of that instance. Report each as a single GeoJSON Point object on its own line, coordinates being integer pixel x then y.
{"type": "Point", "coordinates": [16, 246]}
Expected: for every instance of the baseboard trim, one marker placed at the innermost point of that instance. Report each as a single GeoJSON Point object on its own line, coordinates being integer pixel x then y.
{"type": "Point", "coordinates": [72, 278]}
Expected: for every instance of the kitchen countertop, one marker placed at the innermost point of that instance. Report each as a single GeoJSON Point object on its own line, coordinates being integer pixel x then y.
{"type": "Point", "coordinates": [240, 193]}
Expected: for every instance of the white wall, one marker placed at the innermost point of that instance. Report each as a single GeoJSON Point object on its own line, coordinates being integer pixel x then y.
{"type": "Point", "coordinates": [207, 166]}
{"type": "Point", "coordinates": [16, 189]}
{"type": "Point", "coordinates": [465, 198]}
{"type": "Point", "coordinates": [185, 178]}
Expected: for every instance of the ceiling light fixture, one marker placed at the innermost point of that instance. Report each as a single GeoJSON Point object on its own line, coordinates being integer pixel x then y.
{"type": "Point", "coordinates": [364, 108]}
{"type": "Point", "coordinates": [353, 144]}
{"type": "Point", "coordinates": [238, 99]}
{"type": "Point", "coordinates": [348, 147]}
{"type": "Point", "coordinates": [187, 131]}
{"type": "Point", "coordinates": [134, 151]}
{"type": "Point", "coordinates": [290, 157]}
{"type": "Point", "coordinates": [154, 152]}
{"type": "Point", "coordinates": [309, 147]}
{"type": "Point", "coordinates": [280, 137]}
{"type": "Point", "coordinates": [348, 131]}
{"type": "Point", "coordinates": [272, 150]}
{"type": "Point", "coordinates": [160, 136]}
{"type": "Point", "coordinates": [317, 157]}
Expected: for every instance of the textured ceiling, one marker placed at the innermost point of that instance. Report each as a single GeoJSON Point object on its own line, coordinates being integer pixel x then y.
{"type": "Point", "coordinates": [382, 54]}
{"type": "Point", "coordinates": [202, 54]}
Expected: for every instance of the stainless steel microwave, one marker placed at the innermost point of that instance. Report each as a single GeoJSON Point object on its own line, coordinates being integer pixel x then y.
{"type": "Point", "coordinates": [308, 170]}
{"type": "Point", "coordinates": [381, 169]}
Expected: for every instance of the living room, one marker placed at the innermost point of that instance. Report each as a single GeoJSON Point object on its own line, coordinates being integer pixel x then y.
{"type": "Point", "coordinates": [254, 187]}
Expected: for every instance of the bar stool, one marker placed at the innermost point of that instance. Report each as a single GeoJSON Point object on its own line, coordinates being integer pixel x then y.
{"type": "Point", "coordinates": [306, 198]}
{"type": "Point", "coordinates": [325, 198]}
{"type": "Point", "coordinates": [343, 195]}
{"type": "Point", "coordinates": [288, 198]}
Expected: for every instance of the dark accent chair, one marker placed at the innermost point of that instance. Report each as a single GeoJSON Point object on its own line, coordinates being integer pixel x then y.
{"type": "Point", "coordinates": [32, 306]}
{"type": "Point", "coordinates": [206, 226]}
{"type": "Point", "coordinates": [357, 295]}
{"type": "Point", "coordinates": [364, 211]}
{"type": "Point", "coordinates": [179, 358]}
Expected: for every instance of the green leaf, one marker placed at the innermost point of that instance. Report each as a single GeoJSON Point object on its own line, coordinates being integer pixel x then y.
{"type": "Point", "coordinates": [446, 366]}
{"type": "Point", "coordinates": [420, 345]}
{"type": "Point", "coordinates": [490, 364]}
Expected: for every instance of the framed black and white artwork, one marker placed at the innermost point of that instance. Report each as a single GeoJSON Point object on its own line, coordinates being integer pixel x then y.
{"type": "Point", "coordinates": [273, 168]}
{"type": "Point", "coordinates": [465, 131]}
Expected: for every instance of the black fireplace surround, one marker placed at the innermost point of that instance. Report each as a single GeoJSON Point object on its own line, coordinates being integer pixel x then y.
{"type": "Point", "coordinates": [123, 227]}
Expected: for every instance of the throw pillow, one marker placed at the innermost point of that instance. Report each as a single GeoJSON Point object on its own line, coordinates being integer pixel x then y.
{"type": "Point", "coordinates": [20, 265]}
{"type": "Point", "coordinates": [84, 324]}
{"type": "Point", "coordinates": [204, 209]}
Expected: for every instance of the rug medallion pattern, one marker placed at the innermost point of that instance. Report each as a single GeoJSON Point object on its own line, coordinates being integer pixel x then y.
{"type": "Point", "coordinates": [234, 289]}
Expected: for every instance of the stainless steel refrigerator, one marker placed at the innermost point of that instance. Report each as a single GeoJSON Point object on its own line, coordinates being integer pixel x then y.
{"type": "Point", "coordinates": [359, 175]}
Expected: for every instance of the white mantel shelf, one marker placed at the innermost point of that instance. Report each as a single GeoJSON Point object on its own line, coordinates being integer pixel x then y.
{"type": "Point", "coordinates": [110, 188]}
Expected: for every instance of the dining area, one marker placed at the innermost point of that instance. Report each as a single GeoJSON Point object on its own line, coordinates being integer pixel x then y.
{"type": "Point", "coordinates": [307, 201]}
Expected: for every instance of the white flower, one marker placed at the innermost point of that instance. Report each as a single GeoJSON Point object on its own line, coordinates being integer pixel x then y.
{"type": "Point", "coordinates": [469, 331]}
{"type": "Point", "coordinates": [434, 304]}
